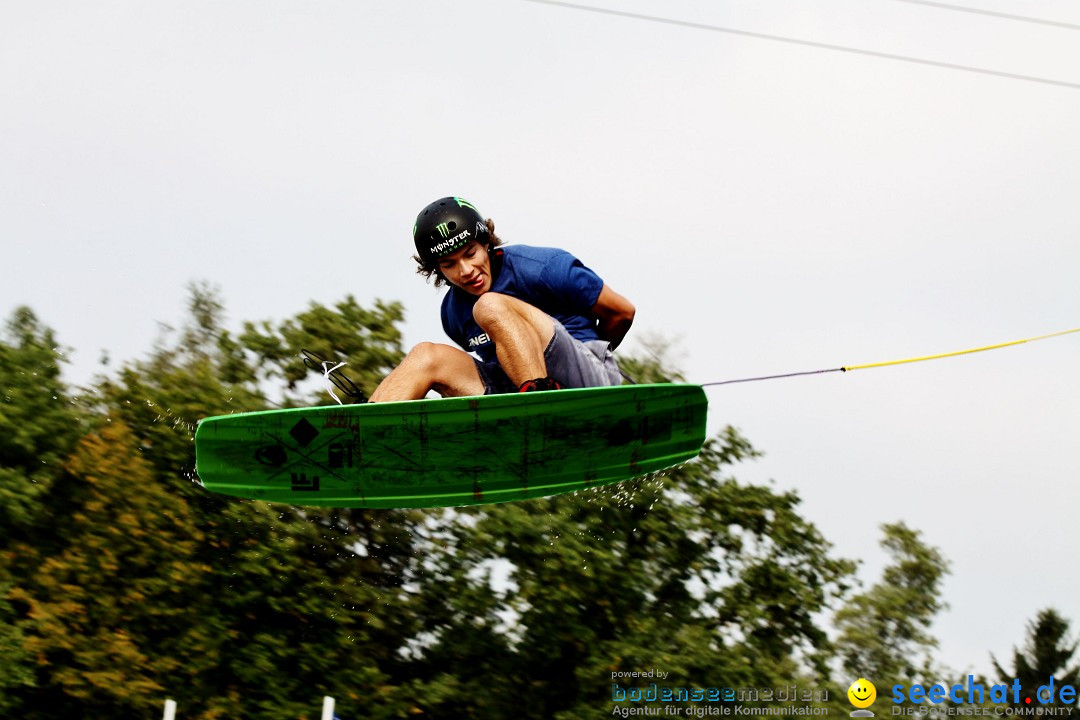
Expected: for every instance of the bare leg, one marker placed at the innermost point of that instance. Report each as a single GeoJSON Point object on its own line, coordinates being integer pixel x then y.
{"type": "Point", "coordinates": [429, 366]}
{"type": "Point", "coordinates": [520, 331]}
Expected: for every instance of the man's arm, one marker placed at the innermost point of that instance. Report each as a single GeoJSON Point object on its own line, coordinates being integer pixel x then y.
{"type": "Point", "coordinates": [614, 314]}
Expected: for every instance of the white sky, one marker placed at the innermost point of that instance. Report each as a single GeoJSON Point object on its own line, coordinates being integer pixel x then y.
{"type": "Point", "coordinates": [770, 207]}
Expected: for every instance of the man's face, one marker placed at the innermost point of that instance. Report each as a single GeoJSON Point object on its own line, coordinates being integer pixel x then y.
{"type": "Point", "coordinates": [468, 268]}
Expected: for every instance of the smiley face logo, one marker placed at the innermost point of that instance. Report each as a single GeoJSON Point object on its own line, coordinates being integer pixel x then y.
{"type": "Point", "coordinates": [862, 693]}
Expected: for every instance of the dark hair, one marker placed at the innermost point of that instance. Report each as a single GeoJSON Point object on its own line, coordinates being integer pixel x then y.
{"type": "Point", "coordinates": [432, 269]}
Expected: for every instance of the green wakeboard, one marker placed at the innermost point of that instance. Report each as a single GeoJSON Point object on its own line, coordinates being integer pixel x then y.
{"type": "Point", "coordinates": [452, 451]}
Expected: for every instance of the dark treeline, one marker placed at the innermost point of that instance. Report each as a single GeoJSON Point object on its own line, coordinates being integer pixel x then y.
{"type": "Point", "coordinates": [123, 582]}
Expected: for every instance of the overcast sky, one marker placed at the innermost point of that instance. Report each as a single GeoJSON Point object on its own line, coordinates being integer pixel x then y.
{"type": "Point", "coordinates": [768, 207]}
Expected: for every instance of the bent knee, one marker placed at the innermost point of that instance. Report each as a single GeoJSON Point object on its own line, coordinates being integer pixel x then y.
{"type": "Point", "coordinates": [490, 306]}
{"type": "Point", "coordinates": [438, 357]}
{"type": "Point", "coordinates": [428, 354]}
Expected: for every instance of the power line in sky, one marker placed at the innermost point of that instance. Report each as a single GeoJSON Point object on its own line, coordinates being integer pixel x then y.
{"type": "Point", "coordinates": [990, 13]}
{"type": "Point", "coordinates": [811, 43]}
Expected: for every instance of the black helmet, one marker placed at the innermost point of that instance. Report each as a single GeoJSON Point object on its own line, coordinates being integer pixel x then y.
{"type": "Point", "coordinates": [445, 226]}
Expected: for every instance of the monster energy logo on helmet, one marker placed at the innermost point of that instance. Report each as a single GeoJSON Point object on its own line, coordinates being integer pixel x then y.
{"type": "Point", "coordinates": [444, 226]}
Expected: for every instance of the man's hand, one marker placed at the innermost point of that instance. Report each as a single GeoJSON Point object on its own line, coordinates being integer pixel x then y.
{"type": "Point", "coordinates": [614, 314]}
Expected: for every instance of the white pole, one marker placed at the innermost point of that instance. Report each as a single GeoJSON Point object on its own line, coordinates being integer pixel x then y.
{"type": "Point", "coordinates": [170, 710]}
{"type": "Point", "coordinates": [327, 708]}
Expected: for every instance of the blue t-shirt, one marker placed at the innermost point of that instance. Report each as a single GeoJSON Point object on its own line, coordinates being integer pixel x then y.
{"type": "Point", "coordinates": [547, 278]}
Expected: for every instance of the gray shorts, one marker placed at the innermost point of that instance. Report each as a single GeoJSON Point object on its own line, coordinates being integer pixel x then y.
{"type": "Point", "coordinates": [573, 363]}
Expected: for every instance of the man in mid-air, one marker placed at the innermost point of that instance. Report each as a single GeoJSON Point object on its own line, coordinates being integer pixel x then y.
{"type": "Point", "coordinates": [537, 317]}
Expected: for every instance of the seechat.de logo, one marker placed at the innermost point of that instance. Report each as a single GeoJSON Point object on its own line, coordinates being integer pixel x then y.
{"type": "Point", "coordinates": [1009, 698]}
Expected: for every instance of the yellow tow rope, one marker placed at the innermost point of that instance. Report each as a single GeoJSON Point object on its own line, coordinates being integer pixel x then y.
{"type": "Point", "coordinates": [923, 358]}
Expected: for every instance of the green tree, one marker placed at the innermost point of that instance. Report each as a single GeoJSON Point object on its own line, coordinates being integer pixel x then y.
{"type": "Point", "coordinates": [16, 666]}
{"type": "Point", "coordinates": [316, 595]}
{"type": "Point", "coordinates": [195, 371]}
{"type": "Point", "coordinates": [102, 604]}
{"type": "Point", "coordinates": [1046, 654]}
{"type": "Point", "coordinates": [129, 612]}
{"type": "Point", "coordinates": [39, 423]}
{"type": "Point", "coordinates": [884, 633]}
{"type": "Point", "coordinates": [368, 340]}
{"type": "Point", "coordinates": [148, 585]}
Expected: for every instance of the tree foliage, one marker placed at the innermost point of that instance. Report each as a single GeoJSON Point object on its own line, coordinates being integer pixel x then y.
{"type": "Point", "coordinates": [39, 421]}
{"type": "Point", "coordinates": [16, 665]}
{"type": "Point", "coordinates": [1047, 653]}
{"type": "Point", "coordinates": [101, 604]}
{"type": "Point", "coordinates": [884, 633]}
{"type": "Point", "coordinates": [123, 582]}
{"type": "Point", "coordinates": [369, 339]}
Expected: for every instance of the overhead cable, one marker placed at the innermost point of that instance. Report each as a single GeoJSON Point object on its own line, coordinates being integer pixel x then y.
{"type": "Point", "coordinates": [991, 13]}
{"type": "Point", "coordinates": [811, 43]}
